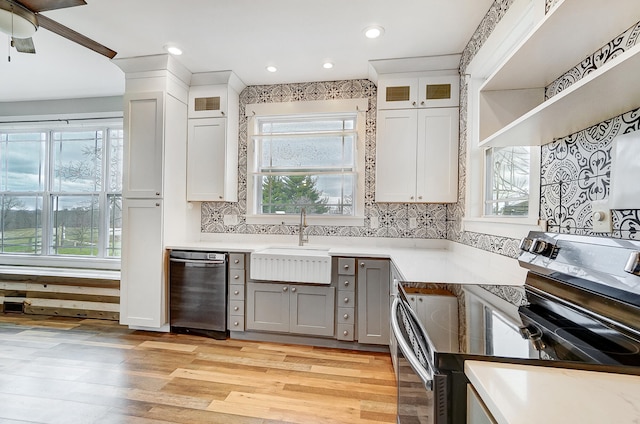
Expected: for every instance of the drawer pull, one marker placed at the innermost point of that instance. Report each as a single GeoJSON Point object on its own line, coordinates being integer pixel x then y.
{"type": "Point", "coordinates": [235, 308]}
{"type": "Point", "coordinates": [236, 323]}
{"type": "Point", "coordinates": [235, 277]}
{"type": "Point", "coordinates": [237, 261]}
{"type": "Point", "coordinates": [345, 332]}
{"type": "Point", "coordinates": [346, 267]}
{"type": "Point", "coordinates": [346, 316]}
{"type": "Point", "coordinates": [236, 292]}
{"type": "Point", "coordinates": [346, 300]}
{"type": "Point", "coordinates": [346, 283]}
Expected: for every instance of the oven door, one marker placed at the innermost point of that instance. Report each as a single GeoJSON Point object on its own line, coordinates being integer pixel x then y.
{"type": "Point", "coordinates": [414, 374]}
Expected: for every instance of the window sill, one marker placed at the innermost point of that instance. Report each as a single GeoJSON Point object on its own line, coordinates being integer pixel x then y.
{"type": "Point", "coordinates": [71, 263]}
{"type": "Point", "coordinates": [346, 221]}
{"type": "Point", "coordinates": [505, 227]}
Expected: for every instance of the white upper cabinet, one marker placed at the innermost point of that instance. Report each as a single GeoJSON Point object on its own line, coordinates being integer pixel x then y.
{"type": "Point", "coordinates": [417, 139]}
{"type": "Point", "coordinates": [513, 110]}
{"type": "Point", "coordinates": [208, 101]}
{"type": "Point", "coordinates": [144, 137]}
{"type": "Point", "coordinates": [212, 145]}
{"type": "Point", "coordinates": [418, 92]}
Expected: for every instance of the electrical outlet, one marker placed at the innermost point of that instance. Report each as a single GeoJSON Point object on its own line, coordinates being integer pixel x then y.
{"type": "Point", "coordinates": [373, 222]}
{"type": "Point", "coordinates": [413, 223]}
{"type": "Point", "coordinates": [601, 216]}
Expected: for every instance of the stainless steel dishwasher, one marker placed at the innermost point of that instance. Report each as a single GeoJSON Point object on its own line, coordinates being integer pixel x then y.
{"type": "Point", "coordinates": [198, 293]}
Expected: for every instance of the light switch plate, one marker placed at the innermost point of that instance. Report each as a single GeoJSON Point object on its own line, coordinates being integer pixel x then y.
{"type": "Point", "coordinates": [601, 216]}
{"type": "Point", "coordinates": [413, 223]}
{"type": "Point", "coordinates": [373, 221]}
{"type": "Point", "coordinates": [230, 219]}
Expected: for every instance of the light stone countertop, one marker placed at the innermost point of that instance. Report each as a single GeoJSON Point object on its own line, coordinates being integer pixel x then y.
{"type": "Point", "coordinates": [424, 261]}
{"type": "Point", "coordinates": [526, 394]}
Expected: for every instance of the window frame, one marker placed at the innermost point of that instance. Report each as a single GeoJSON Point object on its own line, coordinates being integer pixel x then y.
{"type": "Point", "coordinates": [312, 109]}
{"type": "Point", "coordinates": [70, 124]}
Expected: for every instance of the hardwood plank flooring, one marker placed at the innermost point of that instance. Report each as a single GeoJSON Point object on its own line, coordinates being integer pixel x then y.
{"type": "Point", "coordinates": [71, 370]}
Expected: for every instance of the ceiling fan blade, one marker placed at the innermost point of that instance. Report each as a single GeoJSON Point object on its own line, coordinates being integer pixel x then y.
{"type": "Point", "coordinates": [44, 5]}
{"type": "Point", "coordinates": [23, 45]}
{"type": "Point", "coordinates": [74, 36]}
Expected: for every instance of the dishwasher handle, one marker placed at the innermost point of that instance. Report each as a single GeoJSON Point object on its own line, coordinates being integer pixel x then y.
{"type": "Point", "coordinates": [198, 261]}
{"type": "Point", "coordinates": [407, 351]}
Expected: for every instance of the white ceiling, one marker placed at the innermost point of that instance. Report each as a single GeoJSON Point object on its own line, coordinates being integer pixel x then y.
{"type": "Point", "coordinates": [245, 36]}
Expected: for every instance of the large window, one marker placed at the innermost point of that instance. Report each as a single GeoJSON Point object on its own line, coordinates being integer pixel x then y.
{"type": "Point", "coordinates": [306, 160]}
{"type": "Point", "coordinates": [507, 181]}
{"type": "Point", "coordinates": [60, 191]}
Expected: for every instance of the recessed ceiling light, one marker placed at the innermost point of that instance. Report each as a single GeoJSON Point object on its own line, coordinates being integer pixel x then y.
{"type": "Point", "coordinates": [174, 50]}
{"type": "Point", "coordinates": [271, 68]}
{"type": "Point", "coordinates": [373, 31]}
{"type": "Point", "coordinates": [327, 65]}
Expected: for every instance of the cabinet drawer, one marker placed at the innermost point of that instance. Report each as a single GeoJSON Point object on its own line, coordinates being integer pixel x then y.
{"type": "Point", "coordinates": [346, 299]}
{"type": "Point", "coordinates": [346, 283]}
{"type": "Point", "coordinates": [236, 276]}
{"type": "Point", "coordinates": [236, 292]}
{"type": "Point", "coordinates": [236, 323]}
{"type": "Point", "coordinates": [345, 332]}
{"type": "Point", "coordinates": [236, 307]}
{"type": "Point", "coordinates": [236, 261]}
{"type": "Point", "coordinates": [346, 266]}
{"type": "Point", "coordinates": [345, 316]}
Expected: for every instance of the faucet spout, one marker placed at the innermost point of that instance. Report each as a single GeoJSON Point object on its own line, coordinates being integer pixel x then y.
{"type": "Point", "coordinates": [302, 237]}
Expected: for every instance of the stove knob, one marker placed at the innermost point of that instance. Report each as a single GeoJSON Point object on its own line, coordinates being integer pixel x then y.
{"type": "Point", "coordinates": [538, 246]}
{"type": "Point", "coordinates": [633, 263]}
{"type": "Point", "coordinates": [525, 332]}
{"type": "Point", "coordinates": [525, 244]}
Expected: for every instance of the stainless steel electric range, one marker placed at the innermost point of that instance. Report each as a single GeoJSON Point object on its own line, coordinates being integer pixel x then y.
{"type": "Point", "coordinates": [579, 308]}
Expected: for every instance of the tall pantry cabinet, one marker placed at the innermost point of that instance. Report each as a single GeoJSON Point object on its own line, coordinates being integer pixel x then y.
{"type": "Point", "coordinates": [155, 122]}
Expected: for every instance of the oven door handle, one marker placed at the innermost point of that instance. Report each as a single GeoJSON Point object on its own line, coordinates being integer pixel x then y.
{"type": "Point", "coordinates": [407, 351]}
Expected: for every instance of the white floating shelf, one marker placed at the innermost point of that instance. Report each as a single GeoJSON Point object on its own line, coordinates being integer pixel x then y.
{"type": "Point", "coordinates": [569, 33]}
{"type": "Point", "coordinates": [609, 91]}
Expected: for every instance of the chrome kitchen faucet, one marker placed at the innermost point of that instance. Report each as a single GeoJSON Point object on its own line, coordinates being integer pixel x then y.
{"type": "Point", "coordinates": [302, 237]}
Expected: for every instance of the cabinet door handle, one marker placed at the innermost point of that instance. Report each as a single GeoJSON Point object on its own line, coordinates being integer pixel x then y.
{"type": "Point", "coordinates": [157, 193]}
{"type": "Point", "coordinates": [284, 289]}
{"type": "Point", "coordinates": [420, 197]}
{"type": "Point", "coordinates": [219, 197]}
{"type": "Point", "coordinates": [422, 103]}
{"type": "Point", "coordinates": [419, 299]}
{"type": "Point", "coordinates": [293, 289]}
{"type": "Point", "coordinates": [411, 197]}
{"type": "Point", "coordinates": [361, 264]}
{"type": "Point", "coordinates": [413, 103]}
{"type": "Point", "coordinates": [157, 204]}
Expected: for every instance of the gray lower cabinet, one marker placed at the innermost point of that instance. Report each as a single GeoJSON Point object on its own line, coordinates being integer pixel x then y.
{"type": "Point", "coordinates": [373, 301]}
{"type": "Point", "coordinates": [290, 308]}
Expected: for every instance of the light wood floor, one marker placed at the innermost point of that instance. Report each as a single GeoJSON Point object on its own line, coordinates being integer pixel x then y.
{"type": "Point", "coordinates": [66, 370]}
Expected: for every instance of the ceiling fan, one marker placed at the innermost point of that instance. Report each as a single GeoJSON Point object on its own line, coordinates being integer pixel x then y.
{"type": "Point", "coordinates": [20, 19]}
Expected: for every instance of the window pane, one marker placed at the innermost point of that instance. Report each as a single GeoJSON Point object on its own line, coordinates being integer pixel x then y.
{"type": "Point", "coordinates": [307, 152]}
{"type": "Point", "coordinates": [75, 225]}
{"type": "Point", "coordinates": [116, 141]}
{"type": "Point", "coordinates": [76, 161]}
{"type": "Point", "coordinates": [319, 194]}
{"type": "Point", "coordinates": [21, 224]}
{"type": "Point", "coordinates": [22, 162]}
{"type": "Point", "coordinates": [115, 226]}
{"type": "Point", "coordinates": [508, 170]}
